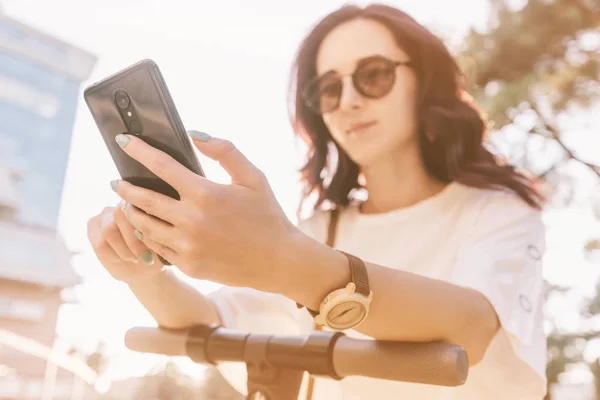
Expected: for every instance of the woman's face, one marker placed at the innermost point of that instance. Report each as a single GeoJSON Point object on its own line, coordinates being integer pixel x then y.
{"type": "Point", "coordinates": [381, 120]}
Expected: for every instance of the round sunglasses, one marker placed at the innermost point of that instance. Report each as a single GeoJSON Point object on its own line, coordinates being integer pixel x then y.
{"type": "Point", "coordinates": [374, 77]}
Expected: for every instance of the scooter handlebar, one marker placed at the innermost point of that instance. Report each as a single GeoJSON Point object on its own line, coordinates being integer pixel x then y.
{"type": "Point", "coordinates": [432, 363]}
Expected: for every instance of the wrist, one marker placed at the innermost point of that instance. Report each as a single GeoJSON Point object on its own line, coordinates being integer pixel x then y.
{"type": "Point", "coordinates": [150, 279]}
{"type": "Point", "coordinates": [312, 271]}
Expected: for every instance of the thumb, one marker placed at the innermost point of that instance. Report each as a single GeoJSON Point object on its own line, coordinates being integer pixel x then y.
{"type": "Point", "coordinates": [241, 170]}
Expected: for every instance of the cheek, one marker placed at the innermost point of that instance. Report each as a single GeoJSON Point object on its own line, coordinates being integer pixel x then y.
{"type": "Point", "coordinates": [401, 106]}
{"type": "Point", "coordinates": [400, 117]}
{"type": "Point", "coordinates": [333, 124]}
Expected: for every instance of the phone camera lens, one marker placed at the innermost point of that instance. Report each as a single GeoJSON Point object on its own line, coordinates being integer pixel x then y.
{"type": "Point", "coordinates": [122, 100]}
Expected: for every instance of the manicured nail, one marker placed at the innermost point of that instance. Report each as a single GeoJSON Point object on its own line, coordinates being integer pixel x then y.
{"type": "Point", "coordinates": [114, 184]}
{"type": "Point", "coordinates": [138, 234]}
{"type": "Point", "coordinates": [122, 140]}
{"type": "Point", "coordinates": [146, 257]}
{"type": "Point", "coordinates": [200, 136]}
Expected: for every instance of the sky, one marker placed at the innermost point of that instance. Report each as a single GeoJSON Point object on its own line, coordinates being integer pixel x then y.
{"type": "Point", "coordinates": [226, 64]}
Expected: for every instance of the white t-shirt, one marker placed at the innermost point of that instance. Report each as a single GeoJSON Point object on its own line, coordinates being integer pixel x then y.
{"type": "Point", "coordinates": [487, 240]}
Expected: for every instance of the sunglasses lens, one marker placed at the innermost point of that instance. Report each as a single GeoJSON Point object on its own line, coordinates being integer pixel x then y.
{"type": "Point", "coordinates": [375, 78]}
{"type": "Point", "coordinates": [324, 95]}
{"type": "Point", "coordinates": [330, 94]}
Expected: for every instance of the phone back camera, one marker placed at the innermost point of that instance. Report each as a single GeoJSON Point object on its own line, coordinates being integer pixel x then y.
{"type": "Point", "coordinates": [122, 100]}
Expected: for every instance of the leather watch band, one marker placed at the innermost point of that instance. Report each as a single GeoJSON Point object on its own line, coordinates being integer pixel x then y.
{"type": "Point", "coordinates": [358, 270]}
{"type": "Point", "coordinates": [358, 274]}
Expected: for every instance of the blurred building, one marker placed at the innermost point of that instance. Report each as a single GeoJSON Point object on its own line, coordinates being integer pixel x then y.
{"type": "Point", "coordinates": [40, 78]}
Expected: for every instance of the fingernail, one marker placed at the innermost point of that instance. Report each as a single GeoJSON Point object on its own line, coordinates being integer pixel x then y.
{"type": "Point", "coordinates": [122, 140]}
{"type": "Point", "coordinates": [114, 184]}
{"type": "Point", "coordinates": [138, 234]}
{"type": "Point", "coordinates": [201, 136]}
{"type": "Point", "coordinates": [146, 257]}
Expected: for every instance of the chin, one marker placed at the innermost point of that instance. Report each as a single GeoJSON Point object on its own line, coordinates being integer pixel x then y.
{"type": "Point", "coordinates": [370, 156]}
{"type": "Point", "coordinates": [366, 157]}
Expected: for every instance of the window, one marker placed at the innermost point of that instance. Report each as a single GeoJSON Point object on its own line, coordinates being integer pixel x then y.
{"type": "Point", "coordinates": [28, 97]}
{"type": "Point", "coordinates": [48, 48]}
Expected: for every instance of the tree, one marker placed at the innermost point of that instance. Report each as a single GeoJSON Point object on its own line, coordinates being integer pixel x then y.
{"type": "Point", "coordinates": [534, 64]}
{"type": "Point", "coordinates": [533, 67]}
{"type": "Point", "coordinates": [167, 383]}
{"type": "Point", "coordinates": [215, 387]}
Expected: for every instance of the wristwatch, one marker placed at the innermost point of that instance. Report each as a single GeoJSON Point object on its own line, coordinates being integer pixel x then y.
{"type": "Point", "coordinates": [347, 307]}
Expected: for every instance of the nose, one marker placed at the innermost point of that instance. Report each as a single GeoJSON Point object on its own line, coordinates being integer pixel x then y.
{"type": "Point", "coordinates": [350, 99]}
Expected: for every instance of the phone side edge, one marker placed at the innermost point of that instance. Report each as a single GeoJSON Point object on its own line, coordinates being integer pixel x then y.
{"type": "Point", "coordinates": [173, 114]}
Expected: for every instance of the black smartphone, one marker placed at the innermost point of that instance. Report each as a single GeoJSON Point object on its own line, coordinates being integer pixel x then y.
{"type": "Point", "coordinates": [136, 100]}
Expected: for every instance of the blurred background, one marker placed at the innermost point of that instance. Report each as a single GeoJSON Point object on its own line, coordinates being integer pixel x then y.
{"type": "Point", "coordinates": [534, 66]}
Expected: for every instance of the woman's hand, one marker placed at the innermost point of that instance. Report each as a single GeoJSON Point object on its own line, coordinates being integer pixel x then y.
{"type": "Point", "coordinates": [118, 249]}
{"type": "Point", "coordinates": [235, 234]}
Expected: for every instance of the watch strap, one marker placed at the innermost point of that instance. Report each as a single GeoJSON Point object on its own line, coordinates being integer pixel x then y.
{"type": "Point", "coordinates": [358, 274]}
{"type": "Point", "coordinates": [358, 270]}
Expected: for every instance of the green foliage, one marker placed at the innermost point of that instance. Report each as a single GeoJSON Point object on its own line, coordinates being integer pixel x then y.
{"type": "Point", "coordinates": [540, 61]}
{"type": "Point", "coordinates": [545, 49]}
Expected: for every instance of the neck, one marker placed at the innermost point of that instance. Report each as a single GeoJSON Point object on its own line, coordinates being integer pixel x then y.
{"type": "Point", "coordinates": [398, 181]}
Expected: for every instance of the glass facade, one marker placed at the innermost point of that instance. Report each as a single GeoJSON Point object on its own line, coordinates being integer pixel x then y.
{"type": "Point", "coordinates": [40, 80]}
{"type": "Point", "coordinates": [37, 110]}
{"type": "Point", "coordinates": [40, 84]}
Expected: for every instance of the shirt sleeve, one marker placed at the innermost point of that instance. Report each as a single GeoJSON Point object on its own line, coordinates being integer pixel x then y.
{"type": "Point", "coordinates": [502, 259]}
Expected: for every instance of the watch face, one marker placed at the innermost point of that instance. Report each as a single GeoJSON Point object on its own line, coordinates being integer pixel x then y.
{"type": "Point", "coordinates": [346, 315]}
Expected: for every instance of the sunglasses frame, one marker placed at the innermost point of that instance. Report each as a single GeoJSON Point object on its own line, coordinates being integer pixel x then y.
{"type": "Point", "coordinates": [392, 63]}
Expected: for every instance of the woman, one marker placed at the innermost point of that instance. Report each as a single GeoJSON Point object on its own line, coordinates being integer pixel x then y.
{"type": "Point", "coordinates": [450, 239]}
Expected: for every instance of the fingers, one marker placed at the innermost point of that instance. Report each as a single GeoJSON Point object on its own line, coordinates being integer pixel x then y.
{"type": "Point", "coordinates": [162, 250]}
{"type": "Point", "coordinates": [152, 228]}
{"type": "Point", "coordinates": [101, 247]}
{"type": "Point", "coordinates": [241, 170]}
{"type": "Point", "coordinates": [113, 237]}
{"type": "Point", "coordinates": [136, 246]}
{"type": "Point", "coordinates": [153, 203]}
{"type": "Point", "coordinates": [158, 162]}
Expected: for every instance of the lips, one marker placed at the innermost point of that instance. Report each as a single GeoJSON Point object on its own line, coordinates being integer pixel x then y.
{"type": "Point", "coordinates": [360, 126]}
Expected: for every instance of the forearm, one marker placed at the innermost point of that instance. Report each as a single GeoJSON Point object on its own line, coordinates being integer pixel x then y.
{"type": "Point", "coordinates": [174, 303]}
{"type": "Point", "coordinates": [405, 307]}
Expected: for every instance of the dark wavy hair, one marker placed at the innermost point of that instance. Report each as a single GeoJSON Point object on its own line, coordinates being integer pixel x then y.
{"type": "Point", "coordinates": [456, 128]}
